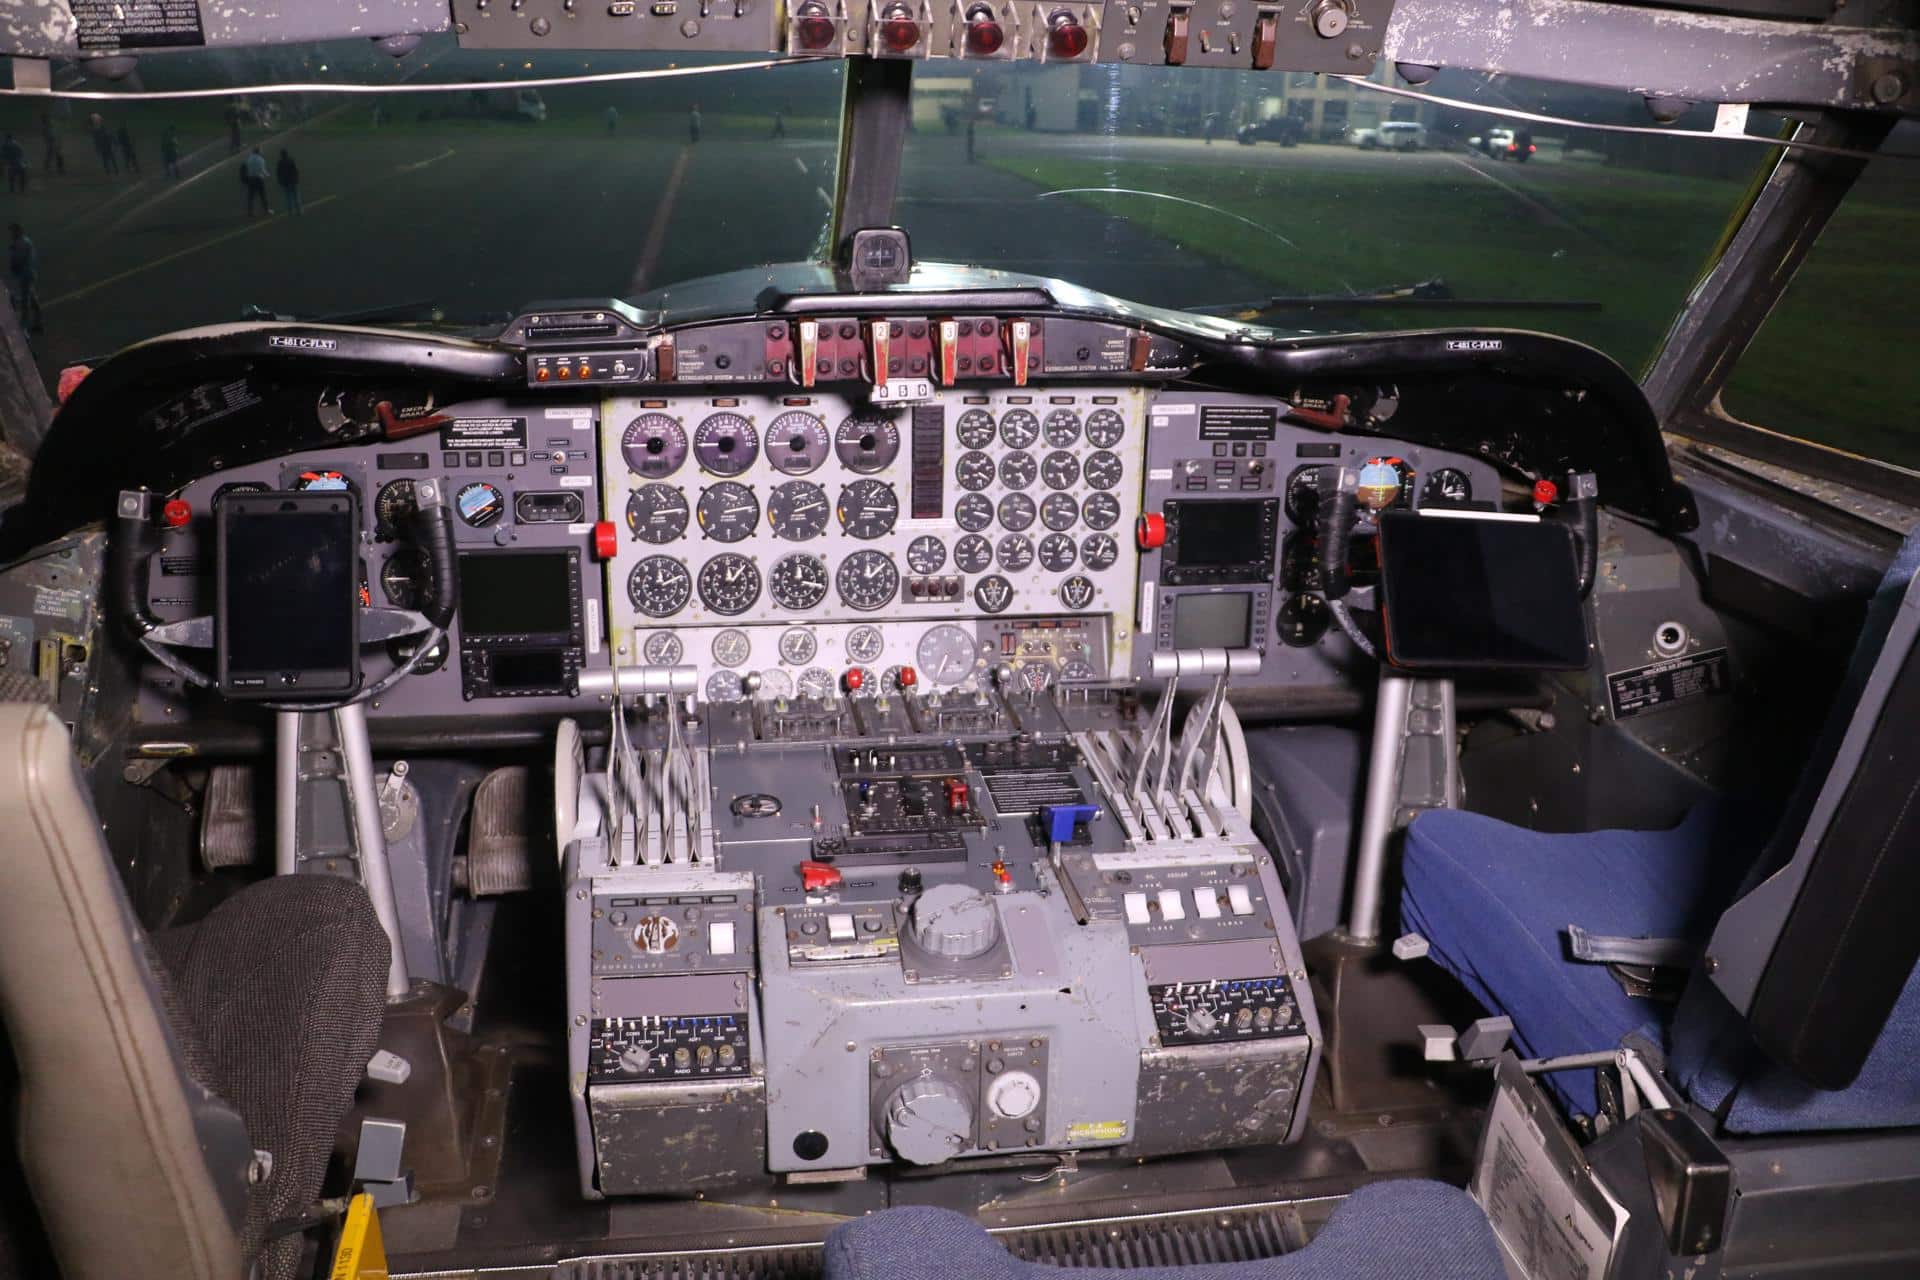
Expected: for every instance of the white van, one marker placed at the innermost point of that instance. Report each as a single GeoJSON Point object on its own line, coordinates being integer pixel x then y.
{"type": "Point", "coordinates": [1394, 135]}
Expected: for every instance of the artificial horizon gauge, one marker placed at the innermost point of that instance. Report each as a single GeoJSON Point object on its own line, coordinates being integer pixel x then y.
{"type": "Point", "coordinates": [946, 654]}
{"type": "Point", "coordinates": [796, 443]}
{"type": "Point", "coordinates": [1059, 511]}
{"type": "Point", "coordinates": [1062, 428]}
{"type": "Point", "coordinates": [479, 503]}
{"type": "Point", "coordinates": [973, 512]}
{"type": "Point", "coordinates": [798, 645]}
{"type": "Point", "coordinates": [725, 444]}
{"type": "Point", "coordinates": [975, 429]}
{"type": "Point", "coordinates": [729, 583]}
{"type": "Point", "coordinates": [864, 643]}
{"type": "Point", "coordinates": [1102, 470]}
{"type": "Point", "coordinates": [654, 445]}
{"type": "Point", "coordinates": [798, 581]}
{"type": "Point", "coordinates": [662, 649]}
{"type": "Point", "coordinates": [657, 513]}
{"type": "Point", "coordinates": [1016, 512]}
{"type": "Point", "coordinates": [867, 580]}
{"type": "Point", "coordinates": [1019, 429]}
{"type": "Point", "coordinates": [728, 511]}
{"type": "Point", "coordinates": [1383, 483]}
{"type": "Point", "coordinates": [973, 554]}
{"type": "Point", "coordinates": [731, 648]}
{"type": "Point", "coordinates": [659, 586]}
{"type": "Point", "coordinates": [1060, 469]}
{"type": "Point", "coordinates": [926, 554]}
{"type": "Point", "coordinates": [321, 482]}
{"type": "Point", "coordinates": [866, 442]}
{"type": "Point", "coordinates": [1018, 469]}
{"type": "Point", "coordinates": [1104, 428]}
{"type": "Point", "coordinates": [974, 471]}
{"type": "Point", "coordinates": [1100, 511]}
{"type": "Point", "coordinates": [393, 507]}
{"type": "Point", "coordinates": [868, 509]}
{"type": "Point", "coordinates": [798, 510]}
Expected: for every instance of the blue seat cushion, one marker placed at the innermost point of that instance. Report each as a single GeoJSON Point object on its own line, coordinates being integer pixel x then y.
{"type": "Point", "coordinates": [1494, 901]}
{"type": "Point", "coordinates": [1385, 1230]}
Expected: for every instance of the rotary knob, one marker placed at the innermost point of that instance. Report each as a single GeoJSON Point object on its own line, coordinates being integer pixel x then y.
{"type": "Point", "coordinates": [929, 1120]}
{"type": "Point", "coordinates": [954, 922]}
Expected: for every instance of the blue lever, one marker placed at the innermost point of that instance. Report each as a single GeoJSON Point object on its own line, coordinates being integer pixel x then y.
{"type": "Point", "coordinates": [1060, 820]}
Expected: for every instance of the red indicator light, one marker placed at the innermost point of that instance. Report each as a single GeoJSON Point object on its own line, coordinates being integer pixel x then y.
{"type": "Point", "coordinates": [814, 29]}
{"type": "Point", "coordinates": [176, 514]}
{"type": "Point", "coordinates": [1066, 38]}
{"type": "Point", "coordinates": [984, 38]}
{"type": "Point", "coordinates": [898, 31]}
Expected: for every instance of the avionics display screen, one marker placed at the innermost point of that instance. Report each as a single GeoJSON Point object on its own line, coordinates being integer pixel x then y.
{"type": "Point", "coordinates": [1220, 533]}
{"type": "Point", "coordinates": [1222, 621]}
{"type": "Point", "coordinates": [515, 594]}
{"type": "Point", "coordinates": [288, 594]}
{"type": "Point", "coordinates": [1463, 592]}
{"type": "Point", "coordinates": [528, 669]}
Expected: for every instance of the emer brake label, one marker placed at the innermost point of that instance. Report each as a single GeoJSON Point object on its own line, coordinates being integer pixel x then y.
{"type": "Point", "coordinates": [1663, 684]}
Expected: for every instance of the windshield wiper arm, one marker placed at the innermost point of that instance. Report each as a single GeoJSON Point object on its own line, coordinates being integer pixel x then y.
{"type": "Point", "coordinates": [1435, 294]}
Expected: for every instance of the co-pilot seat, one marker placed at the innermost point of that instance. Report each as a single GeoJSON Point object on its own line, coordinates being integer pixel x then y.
{"type": "Point", "coordinates": [1802, 1012]}
{"type": "Point", "coordinates": [179, 1093]}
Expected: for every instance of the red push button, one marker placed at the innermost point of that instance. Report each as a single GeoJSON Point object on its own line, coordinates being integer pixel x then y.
{"type": "Point", "coordinates": [854, 678]}
{"type": "Point", "coordinates": [815, 876]}
{"type": "Point", "coordinates": [176, 514]}
{"type": "Point", "coordinates": [908, 677]}
{"type": "Point", "coordinates": [1150, 531]}
{"type": "Point", "coordinates": [606, 540]}
{"type": "Point", "coordinates": [1545, 493]}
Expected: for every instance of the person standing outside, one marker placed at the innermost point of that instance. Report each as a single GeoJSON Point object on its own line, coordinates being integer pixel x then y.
{"type": "Point", "coordinates": [170, 153]}
{"type": "Point", "coordinates": [693, 123]}
{"type": "Point", "coordinates": [253, 175]}
{"type": "Point", "coordinates": [55, 159]}
{"type": "Point", "coordinates": [127, 154]}
{"type": "Point", "coordinates": [233, 128]}
{"type": "Point", "coordinates": [13, 157]}
{"type": "Point", "coordinates": [102, 142]}
{"type": "Point", "coordinates": [779, 123]}
{"type": "Point", "coordinates": [288, 174]}
{"type": "Point", "coordinates": [23, 278]}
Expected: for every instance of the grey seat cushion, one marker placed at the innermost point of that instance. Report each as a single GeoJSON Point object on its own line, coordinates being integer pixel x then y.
{"type": "Point", "coordinates": [1398, 1229]}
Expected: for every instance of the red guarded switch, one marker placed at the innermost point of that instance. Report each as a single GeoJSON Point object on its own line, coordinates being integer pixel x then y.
{"type": "Point", "coordinates": [1150, 531]}
{"type": "Point", "coordinates": [176, 514]}
{"type": "Point", "coordinates": [956, 796]}
{"type": "Point", "coordinates": [815, 876]}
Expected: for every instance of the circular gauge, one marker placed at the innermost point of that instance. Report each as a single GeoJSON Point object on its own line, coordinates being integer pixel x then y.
{"type": "Point", "coordinates": [1059, 511]}
{"type": "Point", "coordinates": [1077, 671]}
{"type": "Point", "coordinates": [865, 685]}
{"type": "Point", "coordinates": [1015, 552]}
{"type": "Point", "coordinates": [864, 643]}
{"type": "Point", "coordinates": [797, 646]}
{"type": "Point", "coordinates": [946, 654]}
{"type": "Point", "coordinates": [1060, 470]}
{"type": "Point", "coordinates": [1018, 469]}
{"type": "Point", "coordinates": [868, 509]}
{"type": "Point", "coordinates": [725, 444]}
{"type": "Point", "coordinates": [1036, 676]}
{"type": "Point", "coordinates": [659, 586]}
{"type": "Point", "coordinates": [1057, 553]}
{"type": "Point", "coordinates": [975, 428]}
{"type": "Point", "coordinates": [798, 581]}
{"type": "Point", "coordinates": [728, 512]}
{"type": "Point", "coordinates": [973, 512]}
{"type": "Point", "coordinates": [993, 593]}
{"type": "Point", "coordinates": [1446, 487]}
{"type": "Point", "coordinates": [662, 649]}
{"type": "Point", "coordinates": [816, 682]}
{"type": "Point", "coordinates": [1299, 566]}
{"type": "Point", "coordinates": [775, 683]}
{"type": "Point", "coordinates": [1103, 470]}
{"type": "Point", "coordinates": [321, 482]}
{"type": "Point", "coordinates": [654, 445]}
{"type": "Point", "coordinates": [731, 648]}
{"type": "Point", "coordinates": [796, 443]}
{"type": "Point", "coordinates": [890, 679]}
{"type": "Point", "coordinates": [926, 554]}
{"type": "Point", "coordinates": [1062, 428]}
{"type": "Point", "coordinates": [1076, 592]}
{"type": "Point", "coordinates": [1019, 429]}
{"type": "Point", "coordinates": [1016, 512]}
{"type": "Point", "coordinates": [394, 507]}
{"type": "Point", "coordinates": [723, 686]}
{"type": "Point", "coordinates": [1383, 483]}
{"type": "Point", "coordinates": [404, 578]}
{"type": "Point", "coordinates": [867, 580]}
{"type": "Point", "coordinates": [1303, 496]}
{"type": "Point", "coordinates": [1100, 511]}
{"type": "Point", "coordinates": [972, 554]}
{"type": "Point", "coordinates": [797, 510]}
{"type": "Point", "coordinates": [1302, 620]}
{"type": "Point", "coordinates": [402, 648]}
{"type": "Point", "coordinates": [729, 583]}
{"type": "Point", "coordinates": [479, 503]}
{"type": "Point", "coordinates": [866, 442]}
{"type": "Point", "coordinates": [974, 471]}
{"type": "Point", "coordinates": [657, 513]}
{"type": "Point", "coordinates": [1105, 427]}
{"type": "Point", "coordinates": [1098, 551]}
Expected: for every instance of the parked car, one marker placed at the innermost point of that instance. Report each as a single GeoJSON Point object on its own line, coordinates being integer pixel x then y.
{"type": "Point", "coordinates": [1286, 130]}
{"type": "Point", "coordinates": [1506, 144]}
{"type": "Point", "coordinates": [1394, 135]}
